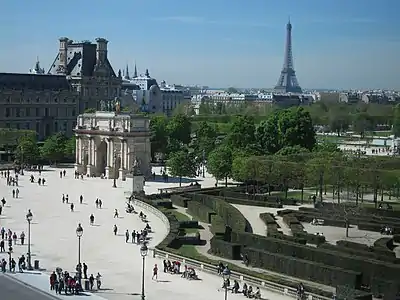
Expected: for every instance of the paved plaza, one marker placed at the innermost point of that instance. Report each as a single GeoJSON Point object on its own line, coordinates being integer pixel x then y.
{"type": "Point", "coordinates": [55, 244]}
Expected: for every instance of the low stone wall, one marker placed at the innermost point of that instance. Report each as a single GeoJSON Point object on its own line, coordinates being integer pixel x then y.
{"type": "Point", "coordinates": [153, 210]}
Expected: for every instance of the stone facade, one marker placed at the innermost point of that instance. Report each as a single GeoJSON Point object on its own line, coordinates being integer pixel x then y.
{"type": "Point", "coordinates": [109, 144]}
{"type": "Point", "coordinates": [42, 103]}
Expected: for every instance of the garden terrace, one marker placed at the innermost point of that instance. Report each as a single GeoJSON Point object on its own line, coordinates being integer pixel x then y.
{"type": "Point", "coordinates": [326, 264]}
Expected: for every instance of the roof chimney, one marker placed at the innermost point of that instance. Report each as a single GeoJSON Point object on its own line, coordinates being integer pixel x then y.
{"type": "Point", "coordinates": [62, 67]}
{"type": "Point", "coordinates": [101, 52]}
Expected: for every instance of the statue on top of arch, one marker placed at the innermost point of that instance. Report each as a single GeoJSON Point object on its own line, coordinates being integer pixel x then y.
{"type": "Point", "coordinates": [113, 105]}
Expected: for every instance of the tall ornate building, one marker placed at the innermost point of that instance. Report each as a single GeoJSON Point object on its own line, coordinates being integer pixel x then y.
{"type": "Point", "coordinates": [79, 78]}
{"type": "Point", "coordinates": [88, 70]}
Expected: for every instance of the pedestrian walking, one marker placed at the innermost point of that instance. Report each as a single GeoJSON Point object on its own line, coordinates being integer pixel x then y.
{"type": "Point", "coordinates": [72, 207]}
{"type": "Point", "coordinates": [116, 213]}
{"type": "Point", "coordinates": [127, 236]}
{"type": "Point", "coordinates": [155, 272]}
{"type": "Point", "coordinates": [115, 229]}
{"type": "Point", "coordinates": [81, 199]}
{"type": "Point", "coordinates": [91, 218]}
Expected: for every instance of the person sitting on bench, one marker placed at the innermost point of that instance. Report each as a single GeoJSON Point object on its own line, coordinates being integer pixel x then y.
{"type": "Point", "coordinates": [244, 290]}
{"type": "Point", "coordinates": [236, 287]}
{"type": "Point", "coordinates": [250, 292]}
{"type": "Point", "coordinates": [192, 273]}
{"type": "Point", "coordinates": [257, 294]}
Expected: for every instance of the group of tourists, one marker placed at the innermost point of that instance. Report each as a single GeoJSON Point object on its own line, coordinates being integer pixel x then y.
{"type": "Point", "coordinates": [72, 285]}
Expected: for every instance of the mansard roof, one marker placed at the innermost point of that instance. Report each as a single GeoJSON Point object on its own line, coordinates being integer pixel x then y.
{"type": "Point", "coordinates": [19, 81]}
{"type": "Point", "coordinates": [81, 60]}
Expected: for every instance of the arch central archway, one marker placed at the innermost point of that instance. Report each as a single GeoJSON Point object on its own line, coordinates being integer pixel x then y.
{"type": "Point", "coordinates": [101, 162]}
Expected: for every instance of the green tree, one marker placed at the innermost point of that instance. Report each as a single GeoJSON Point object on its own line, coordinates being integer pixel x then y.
{"type": "Point", "coordinates": [27, 151]}
{"type": "Point", "coordinates": [159, 134]}
{"type": "Point", "coordinates": [53, 148]}
{"type": "Point", "coordinates": [179, 128]}
{"type": "Point", "coordinates": [338, 122]}
{"type": "Point", "coordinates": [268, 136]}
{"type": "Point", "coordinates": [396, 121]}
{"type": "Point", "coordinates": [219, 163]}
{"type": "Point", "coordinates": [182, 164]}
{"type": "Point", "coordinates": [361, 123]}
{"type": "Point", "coordinates": [206, 136]}
{"type": "Point", "coordinates": [70, 147]}
{"type": "Point", "coordinates": [296, 128]}
{"type": "Point", "coordinates": [242, 133]}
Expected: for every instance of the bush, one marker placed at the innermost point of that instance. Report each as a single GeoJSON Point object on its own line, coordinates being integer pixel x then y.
{"type": "Point", "coordinates": [252, 202]}
{"type": "Point", "coordinates": [217, 225]}
{"type": "Point", "coordinates": [290, 219]}
{"type": "Point", "coordinates": [230, 214]}
{"type": "Point", "coordinates": [368, 254]}
{"type": "Point", "coordinates": [179, 200]}
{"type": "Point", "coordinates": [189, 224]}
{"type": "Point", "coordinates": [200, 211]}
{"type": "Point", "coordinates": [163, 203]}
{"type": "Point", "coordinates": [370, 268]}
{"type": "Point", "coordinates": [396, 238]}
{"type": "Point", "coordinates": [370, 227]}
{"type": "Point", "coordinates": [300, 268]}
{"type": "Point", "coordinates": [225, 249]}
{"type": "Point", "coordinates": [268, 218]}
{"type": "Point", "coordinates": [346, 292]}
{"type": "Point", "coordinates": [384, 246]}
{"type": "Point", "coordinates": [310, 238]}
{"type": "Point", "coordinates": [281, 236]}
{"type": "Point", "coordinates": [353, 245]}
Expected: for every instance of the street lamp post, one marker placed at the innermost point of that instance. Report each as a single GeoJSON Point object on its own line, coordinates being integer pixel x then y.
{"type": "Point", "coordinates": [22, 160]}
{"type": "Point", "coordinates": [115, 169]}
{"type": "Point", "coordinates": [29, 217]}
{"type": "Point", "coordinates": [10, 250]}
{"type": "Point", "coordinates": [143, 252]}
{"type": "Point", "coordinates": [79, 233]}
{"type": "Point", "coordinates": [226, 274]}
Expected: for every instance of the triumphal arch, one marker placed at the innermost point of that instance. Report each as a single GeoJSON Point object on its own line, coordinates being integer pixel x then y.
{"type": "Point", "coordinates": [109, 143]}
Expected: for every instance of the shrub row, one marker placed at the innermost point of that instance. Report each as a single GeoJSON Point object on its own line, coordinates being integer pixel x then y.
{"type": "Point", "coordinates": [189, 224]}
{"type": "Point", "coordinates": [353, 245]}
{"type": "Point", "coordinates": [259, 198]}
{"type": "Point", "coordinates": [304, 269]}
{"type": "Point", "coordinates": [352, 251]}
{"type": "Point", "coordinates": [225, 249]}
{"type": "Point", "coordinates": [370, 268]}
{"type": "Point", "coordinates": [200, 211]}
{"type": "Point", "coordinates": [370, 227]}
{"type": "Point", "coordinates": [251, 202]}
{"type": "Point", "coordinates": [298, 230]}
{"type": "Point", "coordinates": [281, 236]}
{"type": "Point", "coordinates": [344, 292]}
{"type": "Point", "coordinates": [230, 214]}
{"type": "Point", "coordinates": [180, 200]}
{"type": "Point", "coordinates": [384, 246]}
{"type": "Point", "coordinates": [217, 225]}
{"type": "Point", "coordinates": [396, 238]}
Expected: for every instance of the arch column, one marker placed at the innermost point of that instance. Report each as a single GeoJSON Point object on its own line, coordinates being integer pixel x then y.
{"type": "Point", "coordinates": [110, 156]}
{"type": "Point", "coordinates": [122, 167]}
{"type": "Point", "coordinates": [90, 150]}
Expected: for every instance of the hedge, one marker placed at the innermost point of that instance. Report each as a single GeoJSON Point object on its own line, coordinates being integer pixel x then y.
{"type": "Point", "coordinates": [396, 238]}
{"type": "Point", "coordinates": [353, 245]}
{"type": "Point", "coordinates": [369, 254]}
{"type": "Point", "coordinates": [384, 246]}
{"type": "Point", "coordinates": [217, 225]}
{"type": "Point", "coordinates": [225, 249]}
{"type": "Point", "coordinates": [310, 238]}
{"type": "Point", "coordinates": [259, 198]}
{"type": "Point", "coordinates": [369, 267]}
{"type": "Point", "coordinates": [179, 200]}
{"type": "Point", "coordinates": [189, 224]}
{"type": "Point", "coordinates": [344, 292]}
{"type": "Point", "coordinates": [252, 202]}
{"type": "Point", "coordinates": [200, 211]}
{"type": "Point", "coordinates": [281, 236]}
{"type": "Point", "coordinates": [370, 227]}
{"type": "Point", "coordinates": [230, 214]}
{"type": "Point", "coordinates": [300, 268]}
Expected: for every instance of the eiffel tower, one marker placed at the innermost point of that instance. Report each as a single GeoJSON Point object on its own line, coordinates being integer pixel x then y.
{"type": "Point", "coordinates": [287, 82]}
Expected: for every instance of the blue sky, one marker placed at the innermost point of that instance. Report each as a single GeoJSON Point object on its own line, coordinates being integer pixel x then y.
{"type": "Point", "coordinates": [336, 43]}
